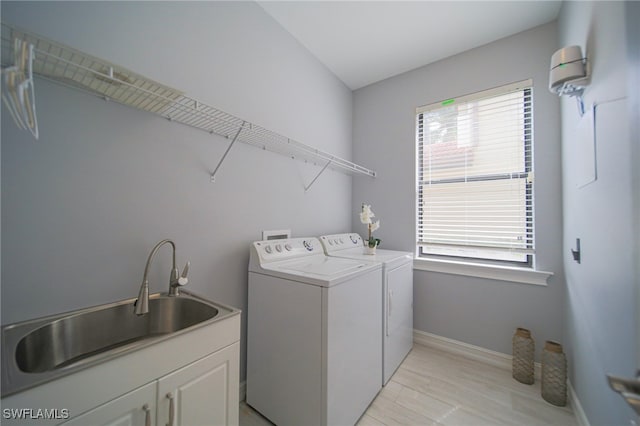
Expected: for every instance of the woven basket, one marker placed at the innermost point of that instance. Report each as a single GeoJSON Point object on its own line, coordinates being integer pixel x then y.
{"type": "Point", "coordinates": [523, 353]}
{"type": "Point", "coordinates": [554, 374]}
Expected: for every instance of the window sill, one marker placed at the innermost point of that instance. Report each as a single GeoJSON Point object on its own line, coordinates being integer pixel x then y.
{"type": "Point", "coordinates": [496, 272]}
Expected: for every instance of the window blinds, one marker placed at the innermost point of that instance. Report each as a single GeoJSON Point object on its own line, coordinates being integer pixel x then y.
{"type": "Point", "coordinates": [474, 175]}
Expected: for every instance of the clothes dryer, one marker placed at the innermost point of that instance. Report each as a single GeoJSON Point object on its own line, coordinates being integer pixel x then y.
{"type": "Point", "coordinates": [314, 347]}
{"type": "Point", "coordinates": [397, 306]}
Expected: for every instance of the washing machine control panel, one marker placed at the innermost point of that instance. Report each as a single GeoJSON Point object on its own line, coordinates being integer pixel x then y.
{"type": "Point", "coordinates": [274, 250]}
{"type": "Point", "coordinates": [333, 243]}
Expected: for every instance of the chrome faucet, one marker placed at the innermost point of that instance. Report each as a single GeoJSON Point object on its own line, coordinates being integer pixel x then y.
{"type": "Point", "coordinates": [142, 303]}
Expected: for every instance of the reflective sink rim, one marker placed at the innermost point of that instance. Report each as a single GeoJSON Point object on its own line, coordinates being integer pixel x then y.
{"type": "Point", "coordinates": [14, 380]}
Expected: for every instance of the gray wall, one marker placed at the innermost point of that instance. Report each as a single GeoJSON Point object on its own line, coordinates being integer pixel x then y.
{"type": "Point", "coordinates": [601, 327]}
{"type": "Point", "coordinates": [83, 206]}
{"type": "Point", "coordinates": [478, 311]}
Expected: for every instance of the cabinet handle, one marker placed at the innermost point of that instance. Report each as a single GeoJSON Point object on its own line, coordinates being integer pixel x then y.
{"type": "Point", "coordinates": [147, 415]}
{"type": "Point", "coordinates": [171, 409]}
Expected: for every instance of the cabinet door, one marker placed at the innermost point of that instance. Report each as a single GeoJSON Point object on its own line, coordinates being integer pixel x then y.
{"type": "Point", "coordinates": [203, 393]}
{"type": "Point", "coordinates": [136, 408]}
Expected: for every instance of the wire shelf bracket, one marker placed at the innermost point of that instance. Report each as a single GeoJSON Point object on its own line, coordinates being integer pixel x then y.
{"type": "Point", "coordinates": [306, 188]}
{"type": "Point", "coordinates": [235, 138]}
{"type": "Point", "coordinates": [78, 70]}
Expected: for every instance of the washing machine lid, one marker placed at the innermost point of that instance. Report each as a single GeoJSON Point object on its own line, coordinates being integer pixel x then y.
{"type": "Point", "coordinates": [321, 266]}
{"type": "Point", "coordinates": [321, 270]}
{"type": "Point", "coordinates": [382, 256]}
{"type": "Point", "coordinates": [351, 246]}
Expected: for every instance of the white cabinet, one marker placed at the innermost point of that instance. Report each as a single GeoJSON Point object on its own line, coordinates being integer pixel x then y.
{"type": "Point", "coordinates": [200, 369]}
{"type": "Point", "coordinates": [203, 393]}
{"type": "Point", "coordinates": [132, 409]}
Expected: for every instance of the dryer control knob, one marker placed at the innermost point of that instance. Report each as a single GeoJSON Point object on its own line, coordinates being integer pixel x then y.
{"type": "Point", "coordinates": [268, 249]}
{"type": "Point", "coordinates": [278, 248]}
{"type": "Point", "coordinates": [288, 247]}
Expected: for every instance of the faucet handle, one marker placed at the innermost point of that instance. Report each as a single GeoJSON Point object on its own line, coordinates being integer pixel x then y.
{"type": "Point", "coordinates": [183, 280]}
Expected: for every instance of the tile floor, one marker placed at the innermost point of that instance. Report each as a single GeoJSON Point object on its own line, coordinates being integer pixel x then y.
{"type": "Point", "coordinates": [433, 387]}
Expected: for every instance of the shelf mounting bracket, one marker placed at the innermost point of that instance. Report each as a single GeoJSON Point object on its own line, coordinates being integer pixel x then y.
{"type": "Point", "coordinates": [306, 188]}
{"type": "Point", "coordinates": [235, 138]}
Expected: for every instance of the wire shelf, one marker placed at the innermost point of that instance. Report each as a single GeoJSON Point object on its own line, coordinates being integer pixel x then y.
{"type": "Point", "coordinates": [76, 69]}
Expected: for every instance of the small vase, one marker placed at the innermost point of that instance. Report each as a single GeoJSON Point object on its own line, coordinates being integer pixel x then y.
{"type": "Point", "coordinates": [554, 374]}
{"type": "Point", "coordinates": [523, 353]}
{"type": "Point", "coordinates": [369, 250]}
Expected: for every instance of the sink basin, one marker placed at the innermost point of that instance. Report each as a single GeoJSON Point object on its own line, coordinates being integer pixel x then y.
{"type": "Point", "coordinates": [41, 350]}
{"type": "Point", "coordinates": [71, 339]}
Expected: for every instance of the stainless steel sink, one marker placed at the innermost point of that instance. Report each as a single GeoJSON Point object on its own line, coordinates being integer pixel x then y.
{"type": "Point", "coordinates": [41, 350]}
{"type": "Point", "coordinates": [73, 338]}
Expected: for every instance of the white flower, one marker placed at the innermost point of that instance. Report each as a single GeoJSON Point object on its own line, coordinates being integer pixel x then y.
{"type": "Point", "coordinates": [366, 214]}
{"type": "Point", "coordinates": [375, 226]}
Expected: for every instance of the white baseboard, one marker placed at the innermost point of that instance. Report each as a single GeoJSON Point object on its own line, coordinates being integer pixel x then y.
{"type": "Point", "coordinates": [487, 356]}
{"type": "Point", "coordinates": [497, 359]}
{"type": "Point", "coordinates": [578, 411]}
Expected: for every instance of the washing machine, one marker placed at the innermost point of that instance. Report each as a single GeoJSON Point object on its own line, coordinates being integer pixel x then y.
{"type": "Point", "coordinates": [397, 298]}
{"type": "Point", "coordinates": [314, 348]}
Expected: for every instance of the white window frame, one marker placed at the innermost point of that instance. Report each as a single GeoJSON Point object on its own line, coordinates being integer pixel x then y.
{"type": "Point", "coordinates": [509, 270]}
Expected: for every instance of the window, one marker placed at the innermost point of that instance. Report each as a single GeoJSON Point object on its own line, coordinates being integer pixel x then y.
{"type": "Point", "coordinates": [474, 176]}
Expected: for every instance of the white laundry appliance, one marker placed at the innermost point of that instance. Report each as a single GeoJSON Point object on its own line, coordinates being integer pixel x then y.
{"type": "Point", "coordinates": [397, 305]}
{"type": "Point", "coordinates": [314, 347]}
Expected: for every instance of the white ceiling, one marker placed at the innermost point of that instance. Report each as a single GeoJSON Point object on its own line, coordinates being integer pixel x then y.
{"type": "Point", "coordinates": [367, 41]}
